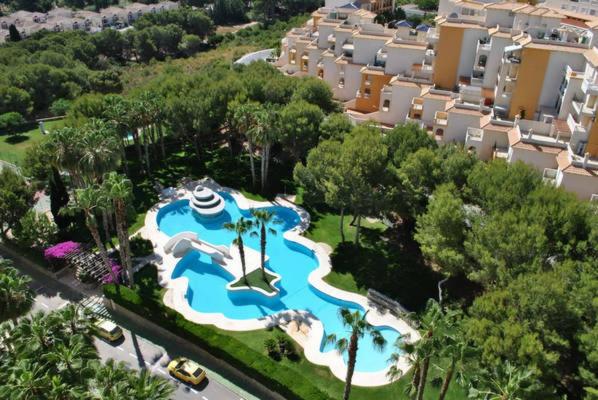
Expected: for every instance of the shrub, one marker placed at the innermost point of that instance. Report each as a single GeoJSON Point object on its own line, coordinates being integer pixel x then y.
{"type": "Point", "coordinates": [10, 122]}
{"type": "Point", "coordinates": [141, 247]}
{"type": "Point", "coordinates": [60, 107]}
{"type": "Point", "coordinates": [286, 347]}
{"type": "Point", "coordinates": [57, 254]}
{"type": "Point", "coordinates": [35, 230]}
{"type": "Point", "coordinates": [272, 349]}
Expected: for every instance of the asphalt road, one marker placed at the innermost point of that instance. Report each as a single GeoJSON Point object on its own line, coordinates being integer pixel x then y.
{"type": "Point", "coordinates": [138, 351]}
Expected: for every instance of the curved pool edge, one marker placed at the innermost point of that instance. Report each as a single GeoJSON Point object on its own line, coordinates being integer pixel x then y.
{"type": "Point", "coordinates": [176, 289]}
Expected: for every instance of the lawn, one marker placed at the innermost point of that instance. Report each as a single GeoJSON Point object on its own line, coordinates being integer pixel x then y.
{"type": "Point", "coordinates": [255, 279]}
{"type": "Point", "coordinates": [13, 147]}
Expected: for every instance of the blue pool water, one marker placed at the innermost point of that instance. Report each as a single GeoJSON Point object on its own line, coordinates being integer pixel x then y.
{"type": "Point", "coordinates": [207, 291]}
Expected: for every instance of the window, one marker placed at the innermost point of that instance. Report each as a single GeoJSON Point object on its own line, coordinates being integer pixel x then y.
{"type": "Point", "coordinates": [592, 12]}
{"type": "Point", "coordinates": [341, 83]}
{"type": "Point", "coordinates": [367, 92]}
{"type": "Point", "coordinates": [386, 105]}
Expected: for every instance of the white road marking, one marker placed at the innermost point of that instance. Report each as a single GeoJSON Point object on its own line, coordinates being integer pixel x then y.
{"type": "Point", "coordinates": [204, 397]}
{"type": "Point", "coordinates": [120, 348]}
{"type": "Point", "coordinates": [45, 305]}
{"type": "Point", "coordinates": [161, 371]}
{"type": "Point", "coordinates": [147, 363]}
{"type": "Point", "coordinates": [133, 355]}
{"type": "Point", "coordinates": [63, 305]}
{"type": "Point", "coordinates": [193, 390]}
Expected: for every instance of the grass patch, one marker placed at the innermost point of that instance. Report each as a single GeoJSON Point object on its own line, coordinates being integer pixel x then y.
{"type": "Point", "coordinates": [325, 227]}
{"type": "Point", "coordinates": [13, 147]}
{"type": "Point", "coordinates": [256, 280]}
{"type": "Point", "coordinates": [293, 378]}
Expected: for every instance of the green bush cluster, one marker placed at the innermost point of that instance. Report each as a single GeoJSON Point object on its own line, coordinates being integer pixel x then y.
{"type": "Point", "coordinates": [252, 363]}
{"type": "Point", "coordinates": [141, 247]}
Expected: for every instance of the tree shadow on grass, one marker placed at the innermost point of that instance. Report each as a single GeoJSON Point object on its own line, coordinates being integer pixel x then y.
{"type": "Point", "coordinates": [16, 139]}
{"type": "Point", "coordinates": [390, 263]}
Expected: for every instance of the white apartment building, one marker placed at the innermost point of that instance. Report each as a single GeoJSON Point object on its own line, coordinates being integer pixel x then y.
{"type": "Point", "coordinates": [508, 80]}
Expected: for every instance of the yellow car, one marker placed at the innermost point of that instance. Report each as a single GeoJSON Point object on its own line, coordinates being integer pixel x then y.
{"type": "Point", "coordinates": [186, 370]}
{"type": "Point", "coordinates": [108, 330]}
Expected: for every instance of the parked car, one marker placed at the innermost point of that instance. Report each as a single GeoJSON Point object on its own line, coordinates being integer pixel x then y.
{"type": "Point", "coordinates": [186, 370]}
{"type": "Point", "coordinates": [108, 330]}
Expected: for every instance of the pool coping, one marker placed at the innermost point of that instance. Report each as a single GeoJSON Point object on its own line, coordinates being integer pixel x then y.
{"type": "Point", "coordinates": [176, 289]}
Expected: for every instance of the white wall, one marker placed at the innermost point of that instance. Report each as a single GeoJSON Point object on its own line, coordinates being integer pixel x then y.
{"type": "Point", "coordinates": [582, 185]}
{"type": "Point", "coordinates": [400, 59]}
{"type": "Point", "coordinates": [400, 104]}
{"type": "Point", "coordinates": [456, 128]}
{"type": "Point", "coordinates": [352, 82]}
{"type": "Point", "coordinates": [554, 75]}
{"type": "Point", "coordinates": [468, 51]}
{"type": "Point", "coordinates": [536, 159]}
{"type": "Point", "coordinates": [499, 17]}
{"type": "Point", "coordinates": [365, 49]}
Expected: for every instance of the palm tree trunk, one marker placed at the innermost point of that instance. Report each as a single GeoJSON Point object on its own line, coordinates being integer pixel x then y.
{"type": "Point", "coordinates": [162, 146]}
{"type": "Point", "coordinates": [423, 378]}
{"type": "Point", "coordinates": [267, 166]}
{"type": "Point", "coordinates": [123, 155]}
{"type": "Point", "coordinates": [447, 381]}
{"type": "Point", "coordinates": [146, 151]}
{"type": "Point", "coordinates": [415, 378]}
{"type": "Point", "coordinates": [95, 233]}
{"type": "Point", "coordinates": [123, 240]}
{"type": "Point", "coordinates": [242, 255]}
{"type": "Point", "coordinates": [105, 226]}
{"type": "Point", "coordinates": [342, 224]}
{"type": "Point", "coordinates": [263, 169]}
{"type": "Point", "coordinates": [137, 143]}
{"type": "Point", "coordinates": [352, 352]}
{"type": "Point", "coordinates": [357, 229]}
{"type": "Point", "coordinates": [251, 162]}
{"type": "Point", "coordinates": [196, 147]}
{"type": "Point", "coordinates": [263, 248]}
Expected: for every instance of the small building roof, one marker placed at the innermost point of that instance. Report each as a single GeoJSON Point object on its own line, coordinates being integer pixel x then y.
{"type": "Point", "coordinates": [422, 28]}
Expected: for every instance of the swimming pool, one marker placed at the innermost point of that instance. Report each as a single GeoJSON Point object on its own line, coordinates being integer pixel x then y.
{"type": "Point", "coordinates": [207, 291]}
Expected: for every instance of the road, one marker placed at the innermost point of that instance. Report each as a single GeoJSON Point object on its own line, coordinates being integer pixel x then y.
{"type": "Point", "coordinates": [137, 349]}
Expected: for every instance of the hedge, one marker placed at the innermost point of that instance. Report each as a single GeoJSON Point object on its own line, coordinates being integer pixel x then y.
{"type": "Point", "coordinates": [251, 362]}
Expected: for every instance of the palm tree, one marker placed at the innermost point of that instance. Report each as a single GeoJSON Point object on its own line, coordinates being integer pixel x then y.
{"type": "Point", "coordinates": [504, 382]}
{"type": "Point", "coordinates": [119, 190]}
{"type": "Point", "coordinates": [264, 133]}
{"type": "Point", "coordinates": [147, 386]}
{"type": "Point", "coordinates": [65, 147]}
{"type": "Point", "coordinates": [358, 326]}
{"type": "Point", "coordinates": [263, 218]}
{"type": "Point", "coordinates": [431, 325]}
{"type": "Point", "coordinates": [90, 200]}
{"type": "Point", "coordinates": [38, 332]}
{"type": "Point", "coordinates": [100, 150]}
{"type": "Point", "coordinates": [241, 227]}
{"type": "Point", "coordinates": [71, 356]}
{"type": "Point", "coordinates": [16, 297]}
{"type": "Point", "coordinates": [117, 111]}
{"type": "Point", "coordinates": [242, 116]}
{"type": "Point", "coordinates": [73, 318]}
{"type": "Point", "coordinates": [456, 349]}
{"type": "Point", "coordinates": [27, 380]}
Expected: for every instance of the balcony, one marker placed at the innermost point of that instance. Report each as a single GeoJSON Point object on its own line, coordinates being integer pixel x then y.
{"type": "Point", "coordinates": [474, 135]}
{"type": "Point", "coordinates": [484, 45]}
{"type": "Point", "coordinates": [549, 176]}
{"type": "Point", "coordinates": [432, 35]}
{"type": "Point", "coordinates": [594, 198]}
{"type": "Point", "coordinates": [331, 38]}
{"type": "Point", "coordinates": [441, 118]}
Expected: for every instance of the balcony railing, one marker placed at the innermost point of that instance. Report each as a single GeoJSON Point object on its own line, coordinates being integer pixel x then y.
{"type": "Point", "coordinates": [589, 87]}
{"type": "Point", "coordinates": [549, 175]}
{"type": "Point", "coordinates": [474, 134]}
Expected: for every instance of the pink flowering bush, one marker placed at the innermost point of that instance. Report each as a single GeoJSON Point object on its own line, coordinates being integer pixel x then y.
{"type": "Point", "coordinates": [57, 254]}
{"type": "Point", "coordinates": [117, 269]}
